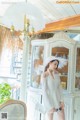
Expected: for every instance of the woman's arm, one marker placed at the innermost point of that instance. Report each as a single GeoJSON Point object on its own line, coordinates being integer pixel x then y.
{"type": "Point", "coordinates": [45, 92]}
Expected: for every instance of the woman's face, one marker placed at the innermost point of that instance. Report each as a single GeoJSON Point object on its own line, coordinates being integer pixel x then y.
{"type": "Point", "coordinates": [53, 65]}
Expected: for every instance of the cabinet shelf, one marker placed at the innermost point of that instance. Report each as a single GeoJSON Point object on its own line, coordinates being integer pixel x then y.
{"type": "Point", "coordinates": [63, 75]}
{"type": "Point", "coordinates": [77, 74]}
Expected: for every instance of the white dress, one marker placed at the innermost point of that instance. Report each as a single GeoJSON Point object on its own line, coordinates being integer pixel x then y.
{"type": "Point", "coordinates": [52, 92]}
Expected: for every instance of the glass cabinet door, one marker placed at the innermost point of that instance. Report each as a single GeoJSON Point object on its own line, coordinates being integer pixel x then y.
{"type": "Point", "coordinates": [63, 72]}
{"type": "Point", "coordinates": [77, 78]}
{"type": "Point", "coordinates": [37, 66]}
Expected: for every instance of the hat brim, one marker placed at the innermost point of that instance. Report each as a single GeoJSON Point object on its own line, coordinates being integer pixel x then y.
{"type": "Point", "coordinates": [62, 61]}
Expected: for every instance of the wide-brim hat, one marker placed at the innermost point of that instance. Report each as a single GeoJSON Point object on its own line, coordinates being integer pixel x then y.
{"type": "Point", "coordinates": [62, 61]}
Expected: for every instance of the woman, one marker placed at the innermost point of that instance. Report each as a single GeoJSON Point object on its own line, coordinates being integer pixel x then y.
{"type": "Point", "coordinates": [52, 94]}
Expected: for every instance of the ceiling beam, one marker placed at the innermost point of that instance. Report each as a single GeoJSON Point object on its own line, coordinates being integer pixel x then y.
{"type": "Point", "coordinates": [62, 24]}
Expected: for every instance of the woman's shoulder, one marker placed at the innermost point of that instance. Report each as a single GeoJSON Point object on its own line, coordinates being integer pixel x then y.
{"type": "Point", "coordinates": [45, 74]}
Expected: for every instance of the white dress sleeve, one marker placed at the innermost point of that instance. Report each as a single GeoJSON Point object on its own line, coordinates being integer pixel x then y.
{"type": "Point", "coordinates": [46, 99]}
{"type": "Point", "coordinates": [60, 89]}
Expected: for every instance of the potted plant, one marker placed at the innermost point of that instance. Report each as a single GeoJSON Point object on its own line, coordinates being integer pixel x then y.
{"type": "Point", "coordinates": [5, 92]}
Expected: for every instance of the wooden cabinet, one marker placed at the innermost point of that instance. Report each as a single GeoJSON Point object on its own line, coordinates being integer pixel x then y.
{"type": "Point", "coordinates": [59, 45]}
{"type": "Point", "coordinates": [77, 74]}
{"type": "Point", "coordinates": [77, 108]}
{"type": "Point", "coordinates": [32, 113]}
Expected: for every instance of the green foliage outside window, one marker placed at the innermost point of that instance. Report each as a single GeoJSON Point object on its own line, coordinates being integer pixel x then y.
{"type": "Point", "coordinates": [5, 92]}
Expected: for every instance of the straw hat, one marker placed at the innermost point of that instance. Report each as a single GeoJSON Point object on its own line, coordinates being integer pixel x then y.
{"type": "Point", "coordinates": [62, 61]}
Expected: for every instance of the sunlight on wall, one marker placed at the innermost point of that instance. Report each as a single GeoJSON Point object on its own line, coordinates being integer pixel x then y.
{"type": "Point", "coordinates": [5, 62]}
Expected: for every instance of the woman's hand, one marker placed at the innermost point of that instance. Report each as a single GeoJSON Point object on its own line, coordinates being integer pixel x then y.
{"type": "Point", "coordinates": [62, 105]}
{"type": "Point", "coordinates": [52, 110]}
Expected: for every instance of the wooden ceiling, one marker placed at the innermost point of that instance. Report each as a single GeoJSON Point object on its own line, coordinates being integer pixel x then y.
{"type": "Point", "coordinates": [52, 11]}
{"type": "Point", "coordinates": [57, 16]}
{"type": "Point", "coordinates": [64, 24]}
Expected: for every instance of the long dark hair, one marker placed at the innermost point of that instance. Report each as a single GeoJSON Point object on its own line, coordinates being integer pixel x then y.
{"type": "Point", "coordinates": [47, 66]}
